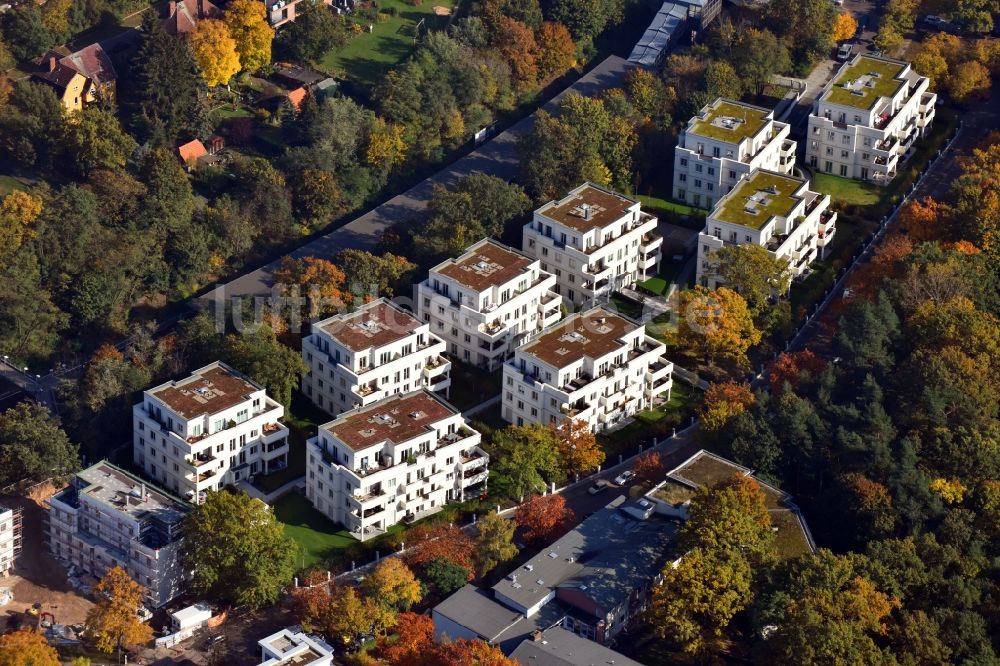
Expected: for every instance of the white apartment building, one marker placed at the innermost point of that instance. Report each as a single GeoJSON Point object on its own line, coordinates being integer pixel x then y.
{"type": "Point", "coordinates": [400, 459]}
{"type": "Point", "coordinates": [723, 143]}
{"type": "Point", "coordinates": [864, 123]}
{"type": "Point", "coordinates": [487, 302]}
{"type": "Point", "coordinates": [773, 210]}
{"type": "Point", "coordinates": [596, 366]}
{"type": "Point", "coordinates": [10, 538]}
{"type": "Point", "coordinates": [294, 647]}
{"type": "Point", "coordinates": [107, 517]}
{"type": "Point", "coordinates": [215, 428]}
{"type": "Point", "coordinates": [595, 241]}
{"type": "Point", "coordinates": [359, 358]}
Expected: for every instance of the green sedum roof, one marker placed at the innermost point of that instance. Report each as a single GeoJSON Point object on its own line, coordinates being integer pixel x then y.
{"type": "Point", "coordinates": [885, 84]}
{"type": "Point", "coordinates": [732, 208]}
{"type": "Point", "coordinates": [713, 126]}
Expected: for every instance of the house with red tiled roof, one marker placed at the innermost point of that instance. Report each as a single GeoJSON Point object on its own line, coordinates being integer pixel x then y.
{"type": "Point", "coordinates": [79, 78]}
{"type": "Point", "coordinates": [184, 15]}
{"type": "Point", "coordinates": [191, 151]}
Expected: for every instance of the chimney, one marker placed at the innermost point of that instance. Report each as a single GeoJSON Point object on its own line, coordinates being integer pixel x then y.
{"type": "Point", "coordinates": [142, 492]}
{"type": "Point", "coordinates": [536, 635]}
{"type": "Point", "coordinates": [52, 63]}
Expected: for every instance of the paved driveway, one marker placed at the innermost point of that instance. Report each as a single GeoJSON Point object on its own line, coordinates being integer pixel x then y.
{"type": "Point", "coordinates": [497, 157]}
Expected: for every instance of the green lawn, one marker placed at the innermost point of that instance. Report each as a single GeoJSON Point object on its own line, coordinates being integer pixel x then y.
{"type": "Point", "coordinates": [8, 184]}
{"type": "Point", "coordinates": [302, 420]}
{"type": "Point", "coordinates": [319, 539]}
{"type": "Point", "coordinates": [626, 306]}
{"type": "Point", "coordinates": [660, 283]}
{"type": "Point", "coordinates": [649, 201]}
{"type": "Point", "coordinates": [368, 56]}
{"type": "Point", "coordinates": [657, 422]}
{"type": "Point", "coordinates": [847, 191]}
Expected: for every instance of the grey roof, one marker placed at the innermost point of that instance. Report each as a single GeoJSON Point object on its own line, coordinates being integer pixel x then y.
{"type": "Point", "coordinates": [607, 556]}
{"type": "Point", "coordinates": [559, 647]}
{"type": "Point", "coordinates": [124, 492]}
{"type": "Point", "coordinates": [473, 609]}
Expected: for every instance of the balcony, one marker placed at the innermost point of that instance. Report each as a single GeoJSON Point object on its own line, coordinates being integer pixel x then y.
{"type": "Point", "coordinates": [201, 459]}
{"type": "Point", "coordinates": [365, 499]}
{"type": "Point", "coordinates": [661, 368]}
{"type": "Point", "coordinates": [577, 383]}
{"type": "Point", "coordinates": [650, 240]}
{"type": "Point", "coordinates": [474, 477]}
{"type": "Point", "coordinates": [493, 328]}
{"type": "Point", "coordinates": [472, 459]}
{"type": "Point", "coordinates": [457, 436]}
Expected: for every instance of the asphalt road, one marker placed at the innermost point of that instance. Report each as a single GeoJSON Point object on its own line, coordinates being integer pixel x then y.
{"type": "Point", "coordinates": [497, 157]}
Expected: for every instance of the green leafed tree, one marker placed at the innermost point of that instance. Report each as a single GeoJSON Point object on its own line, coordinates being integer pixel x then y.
{"type": "Point", "coordinates": [494, 542]}
{"type": "Point", "coordinates": [526, 458]}
{"type": "Point", "coordinates": [236, 550]}
{"type": "Point", "coordinates": [33, 446]}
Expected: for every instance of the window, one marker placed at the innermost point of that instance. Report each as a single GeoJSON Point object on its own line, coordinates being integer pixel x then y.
{"type": "Point", "coordinates": [829, 150]}
{"type": "Point", "coordinates": [684, 162]}
{"type": "Point", "coordinates": [846, 139]}
{"type": "Point", "coordinates": [709, 186]}
{"type": "Point", "coordinates": [843, 170]}
{"type": "Point", "coordinates": [866, 156]}
{"type": "Point", "coordinates": [697, 168]}
{"type": "Point", "coordinates": [697, 183]}
{"type": "Point", "coordinates": [682, 177]}
{"type": "Point", "coordinates": [844, 154]}
{"type": "Point", "coordinates": [682, 195]}
{"type": "Point", "coordinates": [711, 170]}
{"type": "Point", "coordinates": [732, 173]}
{"type": "Point", "coordinates": [828, 167]}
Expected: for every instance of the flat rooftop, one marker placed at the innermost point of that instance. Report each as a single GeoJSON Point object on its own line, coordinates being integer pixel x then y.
{"type": "Point", "coordinates": [605, 558]}
{"type": "Point", "coordinates": [560, 647]}
{"type": "Point", "coordinates": [729, 121]}
{"type": "Point", "coordinates": [295, 648]}
{"type": "Point", "coordinates": [376, 324]}
{"type": "Point", "coordinates": [487, 264]}
{"type": "Point", "coordinates": [758, 198]}
{"type": "Point", "coordinates": [476, 610]}
{"type": "Point", "coordinates": [119, 490]}
{"type": "Point", "coordinates": [865, 80]}
{"type": "Point", "coordinates": [210, 390]}
{"type": "Point", "coordinates": [589, 334]}
{"type": "Point", "coordinates": [588, 207]}
{"type": "Point", "coordinates": [397, 419]}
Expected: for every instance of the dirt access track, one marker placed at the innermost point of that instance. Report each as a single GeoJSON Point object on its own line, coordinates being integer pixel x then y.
{"type": "Point", "coordinates": [37, 577]}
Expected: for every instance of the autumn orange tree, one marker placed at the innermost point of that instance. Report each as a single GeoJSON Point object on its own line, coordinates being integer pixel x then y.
{"type": "Point", "coordinates": [321, 281]}
{"type": "Point", "coordinates": [716, 325]}
{"type": "Point", "coordinates": [789, 367]}
{"type": "Point", "coordinates": [429, 542]}
{"type": "Point", "coordinates": [542, 517]}
{"type": "Point", "coordinates": [579, 451]}
{"type": "Point", "coordinates": [27, 648]}
{"type": "Point", "coordinates": [393, 584]}
{"type": "Point", "coordinates": [844, 26]}
{"type": "Point", "coordinates": [517, 45]}
{"type": "Point", "coordinates": [556, 50]}
{"type": "Point", "coordinates": [921, 220]}
{"type": "Point", "coordinates": [113, 623]}
{"type": "Point", "coordinates": [473, 652]}
{"type": "Point", "coordinates": [648, 468]}
{"type": "Point", "coordinates": [723, 401]}
{"type": "Point", "coordinates": [413, 641]}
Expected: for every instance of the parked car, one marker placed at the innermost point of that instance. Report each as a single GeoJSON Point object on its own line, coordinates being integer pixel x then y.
{"type": "Point", "coordinates": [624, 477]}
{"type": "Point", "coordinates": [844, 52]}
{"type": "Point", "coordinates": [597, 488]}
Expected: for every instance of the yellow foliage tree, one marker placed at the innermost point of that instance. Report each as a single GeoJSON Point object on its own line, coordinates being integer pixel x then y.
{"type": "Point", "coordinates": [716, 325]}
{"type": "Point", "coordinates": [722, 402]}
{"type": "Point", "coordinates": [247, 23]}
{"type": "Point", "coordinates": [27, 648]}
{"type": "Point", "coordinates": [386, 147]}
{"type": "Point", "coordinates": [952, 491]}
{"type": "Point", "coordinates": [579, 451]}
{"type": "Point", "coordinates": [969, 80]}
{"type": "Point", "coordinates": [113, 622]}
{"type": "Point", "coordinates": [214, 50]}
{"type": "Point", "coordinates": [18, 211]}
{"type": "Point", "coordinates": [393, 584]}
{"type": "Point", "coordinates": [844, 27]}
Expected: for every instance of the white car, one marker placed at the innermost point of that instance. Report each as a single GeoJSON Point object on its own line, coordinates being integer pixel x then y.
{"type": "Point", "coordinates": [844, 52]}
{"type": "Point", "coordinates": [624, 477]}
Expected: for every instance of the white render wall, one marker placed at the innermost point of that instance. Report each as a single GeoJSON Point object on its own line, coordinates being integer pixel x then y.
{"type": "Point", "coordinates": [484, 327]}
{"type": "Point", "coordinates": [235, 447]}
{"type": "Point", "coordinates": [10, 538]}
{"type": "Point", "coordinates": [337, 381]}
{"type": "Point", "coordinates": [388, 481]}
{"type": "Point", "coordinates": [589, 266]}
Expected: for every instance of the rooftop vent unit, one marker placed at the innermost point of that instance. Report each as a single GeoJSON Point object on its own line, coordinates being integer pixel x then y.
{"type": "Point", "coordinates": [529, 567]}
{"type": "Point", "coordinates": [540, 582]}
{"type": "Point", "coordinates": [553, 554]}
{"type": "Point", "coordinates": [750, 209]}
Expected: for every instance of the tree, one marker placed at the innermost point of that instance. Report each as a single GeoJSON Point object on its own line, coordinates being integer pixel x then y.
{"type": "Point", "coordinates": [215, 52]}
{"type": "Point", "coordinates": [722, 402]}
{"type": "Point", "coordinates": [316, 199]}
{"type": "Point", "coordinates": [888, 39]}
{"type": "Point", "coordinates": [556, 50]}
{"type": "Point", "coordinates": [524, 458]}
{"type": "Point", "coordinates": [494, 542]}
{"type": "Point", "coordinates": [32, 445]}
{"type": "Point", "coordinates": [414, 640]}
{"type": "Point", "coordinates": [806, 26]}
{"type": "Point", "coordinates": [351, 617]}
{"type": "Point", "coordinates": [730, 516]}
{"type": "Point", "coordinates": [55, 18]}
{"type": "Point", "coordinates": [721, 80]}
{"type": "Point", "coordinates": [762, 56]}
{"type": "Point", "coordinates": [386, 146]}
{"type": "Point", "coordinates": [445, 576]}
{"type": "Point", "coordinates": [716, 325]}
{"type": "Point", "coordinates": [753, 273]}
{"type": "Point", "coordinates": [649, 94]}
{"type": "Point", "coordinates": [113, 623]}
{"type": "Point", "coordinates": [393, 584]}
{"type": "Point", "coordinates": [516, 44]}
{"type": "Point", "coordinates": [321, 280]}
{"type": "Point", "coordinates": [426, 543]}
{"type": "Point", "coordinates": [922, 221]}
{"type": "Point", "coordinates": [542, 517]}
{"type": "Point", "coordinates": [27, 648]}
{"type": "Point", "coordinates": [584, 18]}
{"type": "Point", "coordinates": [969, 80]}
{"type": "Point", "coordinates": [165, 99]}
{"type": "Point", "coordinates": [375, 274]}
{"type": "Point", "coordinates": [236, 550]}
{"type": "Point", "coordinates": [315, 33]}
{"type": "Point", "coordinates": [790, 367]}
{"type": "Point", "coordinates": [94, 140]}
{"type": "Point", "coordinates": [18, 212]}
{"type": "Point", "coordinates": [844, 27]}
{"type": "Point", "coordinates": [247, 23]}
{"type": "Point", "coordinates": [579, 451]}
{"type": "Point", "coordinates": [261, 355]}
{"type": "Point", "coordinates": [25, 33]}
{"type": "Point", "coordinates": [648, 468]}
{"type": "Point", "coordinates": [474, 652]}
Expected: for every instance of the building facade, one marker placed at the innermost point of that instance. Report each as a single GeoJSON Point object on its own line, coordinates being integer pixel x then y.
{"type": "Point", "coordinates": [595, 241]}
{"type": "Point", "coordinates": [359, 358]}
{"type": "Point", "coordinates": [865, 122]}
{"type": "Point", "coordinates": [10, 538]}
{"type": "Point", "coordinates": [216, 427]}
{"type": "Point", "coordinates": [773, 210]}
{"type": "Point", "coordinates": [723, 143]}
{"type": "Point", "coordinates": [596, 366]}
{"type": "Point", "coordinates": [294, 647]}
{"type": "Point", "coordinates": [487, 302]}
{"type": "Point", "coordinates": [399, 459]}
{"type": "Point", "coordinates": [106, 518]}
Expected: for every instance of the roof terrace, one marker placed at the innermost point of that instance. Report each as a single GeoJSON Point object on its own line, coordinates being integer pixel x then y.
{"type": "Point", "coordinates": [758, 198]}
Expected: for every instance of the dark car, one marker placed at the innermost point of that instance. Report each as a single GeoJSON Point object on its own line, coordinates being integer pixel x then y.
{"type": "Point", "coordinates": [597, 488]}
